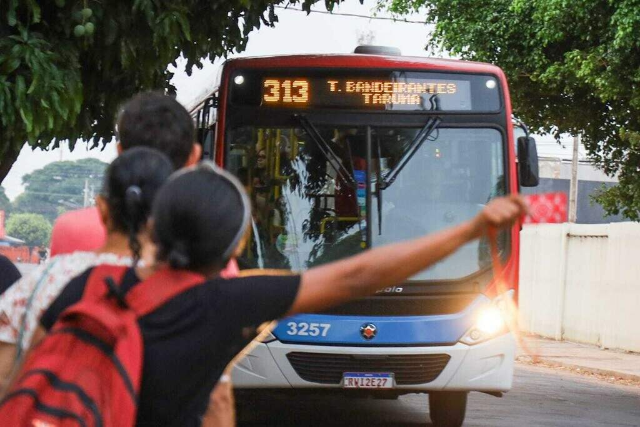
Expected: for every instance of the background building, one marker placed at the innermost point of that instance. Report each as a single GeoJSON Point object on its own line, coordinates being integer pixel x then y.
{"type": "Point", "coordinates": [555, 175]}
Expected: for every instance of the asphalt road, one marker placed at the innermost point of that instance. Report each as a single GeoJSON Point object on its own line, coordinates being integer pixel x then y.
{"type": "Point", "coordinates": [540, 397]}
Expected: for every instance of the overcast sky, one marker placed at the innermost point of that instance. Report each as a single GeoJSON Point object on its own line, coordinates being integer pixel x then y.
{"type": "Point", "coordinates": [295, 33]}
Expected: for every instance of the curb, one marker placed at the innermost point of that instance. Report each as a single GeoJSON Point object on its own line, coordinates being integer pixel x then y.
{"type": "Point", "coordinates": [551, 362]}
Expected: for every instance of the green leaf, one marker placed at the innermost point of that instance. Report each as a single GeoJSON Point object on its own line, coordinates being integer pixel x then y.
{"type": "Point", "coordinates": [9, 66]}
{"type": "Point", "coordinates": [33, 86]}
{"type": "Point", "coordinates": [20, 87]}
{"type": "Point", "coordinates": [184, 24]}
{"type": "Point", "coordinates": [27, 119]}
{"type": "Point", "coordinates": [36, 13]}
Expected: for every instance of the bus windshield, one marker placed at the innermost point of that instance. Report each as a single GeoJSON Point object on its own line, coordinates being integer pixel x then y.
{"type": "Point", "coordinates": [448, 181]}
{"type": "Point", "coordinates": [309, 191]}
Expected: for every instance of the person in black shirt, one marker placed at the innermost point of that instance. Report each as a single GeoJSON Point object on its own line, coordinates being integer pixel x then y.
{"type": "Point", "coordinates": [200, 218]}
{"type": "Point", "coordinates": [9, 274]}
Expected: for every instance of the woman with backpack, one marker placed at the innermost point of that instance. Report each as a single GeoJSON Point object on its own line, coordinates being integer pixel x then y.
{"type": "Point", "coordinates": [124, 214]}
{"type": "Point", "coordinates": [200, 219]}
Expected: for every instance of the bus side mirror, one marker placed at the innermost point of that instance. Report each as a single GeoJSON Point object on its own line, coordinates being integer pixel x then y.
{"type": "Point", "coordinates": [528, 162]}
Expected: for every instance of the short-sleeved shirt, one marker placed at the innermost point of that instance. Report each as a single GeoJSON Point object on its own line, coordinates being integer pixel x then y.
{"type": "Point", "coordinates": [189, 341]}
{"type": "Point", "coordinates": [9, 273]}
{"type": "Point", "coordinates": [24, 302]}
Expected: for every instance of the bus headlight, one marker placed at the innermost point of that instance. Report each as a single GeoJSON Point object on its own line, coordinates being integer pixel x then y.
{"type": "Point", "coordinates": [491, 321]}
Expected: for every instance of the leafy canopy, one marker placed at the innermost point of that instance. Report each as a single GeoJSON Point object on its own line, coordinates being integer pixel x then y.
{"type": "Point", "coordinates": [66, 65]}
{"type": "Point", "coordinates": [59, 186]}
{"type": "Point", "coordinates": [34, 229]}
{"type": "Point", "coordinates": [573, 66]}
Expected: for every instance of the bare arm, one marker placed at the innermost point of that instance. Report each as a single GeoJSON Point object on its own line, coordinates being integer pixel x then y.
{"type": "Point", "coordinates": [7, 358]}
{"type": "Point", "coordinates": [221, 411]}
{"type": "Point", "coordinates": [265, 272]}
{"type": "Point", "coordinates": [38, 336]}
{"type": "Point", "coordinates": [361, 275]}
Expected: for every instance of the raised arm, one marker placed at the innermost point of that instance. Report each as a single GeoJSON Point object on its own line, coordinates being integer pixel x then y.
{"type": "Point", "coordinates": [361, 275]}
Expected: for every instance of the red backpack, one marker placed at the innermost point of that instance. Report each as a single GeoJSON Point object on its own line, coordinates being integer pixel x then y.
{"type": "Point", "coordinates": [87, 370]}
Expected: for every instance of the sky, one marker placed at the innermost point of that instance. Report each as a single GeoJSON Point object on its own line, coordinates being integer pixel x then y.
{"type": "Point", "coordinates": [295, 33]}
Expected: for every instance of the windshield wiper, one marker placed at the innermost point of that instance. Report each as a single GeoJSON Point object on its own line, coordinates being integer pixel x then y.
{"type": "Point", "coordinates": [326, 150]}
{"type": "Point", "coordinates": [431, 125]}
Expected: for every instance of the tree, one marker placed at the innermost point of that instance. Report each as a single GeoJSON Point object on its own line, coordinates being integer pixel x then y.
{"type": "Point", "coordinates": [573, 66]}
{"type": "Point", "coordinates": [34, 229]}
{"type": "Point", "coordinates": [59, 186]}
{"type": "Point", "coordinates": [5, 203]}
{"type": "Point", "coordinates": [66, 66]}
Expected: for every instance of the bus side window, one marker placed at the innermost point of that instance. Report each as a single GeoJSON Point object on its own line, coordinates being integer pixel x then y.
{"type": "Point", "coordinates": [206, 119]}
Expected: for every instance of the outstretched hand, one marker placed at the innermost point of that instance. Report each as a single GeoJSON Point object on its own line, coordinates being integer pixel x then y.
{"type": "Point", "coordinates": [500, 213]}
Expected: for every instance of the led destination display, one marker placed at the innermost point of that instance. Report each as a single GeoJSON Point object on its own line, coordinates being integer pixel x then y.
{"type": "Point", "coordinates": [412, 94]}
{"type": "Point", "coordinates": [389, 90]}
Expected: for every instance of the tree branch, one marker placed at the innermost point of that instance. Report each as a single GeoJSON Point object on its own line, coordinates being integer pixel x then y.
{"type": "Point", "coordinates": [7, 160]}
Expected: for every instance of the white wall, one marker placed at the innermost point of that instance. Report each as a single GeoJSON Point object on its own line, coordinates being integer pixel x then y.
{"type": "Point", "coordinates": [582, 283]}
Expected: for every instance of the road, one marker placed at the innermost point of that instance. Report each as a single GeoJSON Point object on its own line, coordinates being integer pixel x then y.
{"type": "Point", "coordinates": [540, 397]}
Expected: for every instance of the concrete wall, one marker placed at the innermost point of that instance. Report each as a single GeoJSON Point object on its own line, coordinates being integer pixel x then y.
{"type": "Point", "coordinates": [582, 283]}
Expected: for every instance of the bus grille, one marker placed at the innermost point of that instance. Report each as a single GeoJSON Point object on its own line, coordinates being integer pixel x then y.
{"type": "Point", "coordinates": [324, 368]}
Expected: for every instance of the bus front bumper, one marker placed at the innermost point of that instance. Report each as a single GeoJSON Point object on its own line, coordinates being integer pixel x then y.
{"type": "Point", "coordinates": [487, 366]}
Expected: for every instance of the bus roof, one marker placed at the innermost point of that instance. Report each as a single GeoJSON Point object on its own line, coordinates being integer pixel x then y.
{"type": "Point", "coordinates": [361, 61]}
{"type": "Point", "coordinates": [346, 61]}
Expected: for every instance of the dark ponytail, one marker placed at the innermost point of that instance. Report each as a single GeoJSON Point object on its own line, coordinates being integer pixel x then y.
{"type": "Point", "coordinates": [178, 256]}
{"type": "Point", "coordinates": [132, 181]}
{"type": "Point", "coordinates": [134, 210]}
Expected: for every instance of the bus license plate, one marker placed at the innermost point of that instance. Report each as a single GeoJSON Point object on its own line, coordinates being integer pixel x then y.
{"type": "Point", "coordinates": [367, 380]}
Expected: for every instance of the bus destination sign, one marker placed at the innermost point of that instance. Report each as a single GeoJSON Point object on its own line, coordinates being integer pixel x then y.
{"type": "Point", "coordinates": [363, 93]}
{"type": "Point", "coordinates": [365, 90]}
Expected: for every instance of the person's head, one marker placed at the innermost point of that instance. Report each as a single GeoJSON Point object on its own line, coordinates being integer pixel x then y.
{"type": "Point", "coordinates": [261, 161]}
{"type": "Point", "coordinates": [156, 120]}
{"type": "Point", "coordinates": [200, 217]}
{"type": "Point", "coordinates": [131, 183]}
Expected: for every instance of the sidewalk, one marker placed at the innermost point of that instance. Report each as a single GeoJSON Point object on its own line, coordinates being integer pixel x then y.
{"type": "Point", "coordinates": [582, 357]}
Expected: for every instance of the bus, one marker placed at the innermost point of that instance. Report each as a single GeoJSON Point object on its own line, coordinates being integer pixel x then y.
{"type": "Point", "coordinates": [341, 153]}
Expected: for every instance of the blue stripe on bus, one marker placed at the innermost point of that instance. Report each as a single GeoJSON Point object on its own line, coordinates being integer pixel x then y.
{"type": "Point", "coordinates": [390, 330]}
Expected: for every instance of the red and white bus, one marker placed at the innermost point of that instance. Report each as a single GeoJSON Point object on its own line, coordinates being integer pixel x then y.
{"type": "Point", "coordinates": [341, 153]}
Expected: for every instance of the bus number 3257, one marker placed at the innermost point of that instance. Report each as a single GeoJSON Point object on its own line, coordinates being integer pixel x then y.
{"type": "Point", "coordinates": [308, 329]}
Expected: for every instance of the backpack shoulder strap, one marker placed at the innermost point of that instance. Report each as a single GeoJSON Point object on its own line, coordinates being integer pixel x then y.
{"type": "Point", "coordinates": [159, 288]}
{"type": "Point", "coordinates": [96, 284]}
